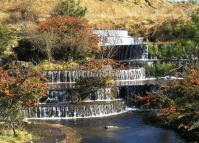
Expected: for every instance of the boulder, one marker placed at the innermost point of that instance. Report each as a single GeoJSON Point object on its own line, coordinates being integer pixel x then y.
{"type": "Point", "coordinates": [111, 127]}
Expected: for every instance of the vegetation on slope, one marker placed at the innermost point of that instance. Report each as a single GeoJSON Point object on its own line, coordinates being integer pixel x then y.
{"type": "Point", "coordinates": [178, 101]}
{"type": "Point", "coordinates": [139, 17]}
{"type": "Point", "coordinates": [178, 104]}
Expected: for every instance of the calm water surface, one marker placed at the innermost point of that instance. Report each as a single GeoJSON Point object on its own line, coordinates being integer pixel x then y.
{"type": "Point", "coordinates": [132, 129]}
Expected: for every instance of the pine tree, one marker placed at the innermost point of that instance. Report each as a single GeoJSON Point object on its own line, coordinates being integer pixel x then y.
{"type": "Point", "coordinates": [70, 8]}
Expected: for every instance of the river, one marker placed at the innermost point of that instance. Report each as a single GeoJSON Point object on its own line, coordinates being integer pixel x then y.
{"type": "Point", "coordinates": [132, 129]}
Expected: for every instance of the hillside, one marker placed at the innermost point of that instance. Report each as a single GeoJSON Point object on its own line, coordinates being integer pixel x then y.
{"type": "Point", "coordinates": [139, 17]}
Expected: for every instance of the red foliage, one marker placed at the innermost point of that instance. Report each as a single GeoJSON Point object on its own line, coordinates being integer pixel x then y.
{"type": "Point", "coordinates": [21, 88]}
{"type": "Point", "coordinates": [169, 110]}
{"type": "Point", "coordinates": [63, 24]}
{"type": "Point", "coordinates": [74, 32]}
{"type": "Point", "coordinates": [146, 98]}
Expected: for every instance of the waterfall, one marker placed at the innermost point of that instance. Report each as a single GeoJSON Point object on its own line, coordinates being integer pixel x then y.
{"type": "Point", "coordinates": [82, 110]}
{"type": "Point", "coordinates": [99, 103]}
{"type": "Point", "coordinates": [130, 74]}
{"type": "Point", "coordinates": [62, 95]}
{"type": "Point", "coordinates": [71, 77]}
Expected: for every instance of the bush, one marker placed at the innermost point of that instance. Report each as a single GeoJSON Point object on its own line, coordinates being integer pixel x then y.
{"type": "Point", "coordinates": [27, 51]}
{"type": "Point", "coordinates": [159, 69]}
{"type": "Point", "coordinates": [70, 8]}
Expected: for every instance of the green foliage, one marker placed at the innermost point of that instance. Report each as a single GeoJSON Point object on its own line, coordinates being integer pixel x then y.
{"type": "Point", "coordinates": [87, 87]}
{"type": "Point", "coordinates": [69, 65]}
{"type": "Point", "coordinates": [6, 136]}
{"type": "Point", "coordinates": [182, 30]}
{"type": "Point", "coordinates": [159, 69]}
{"type": "Point", "coordinates": [184, 49]}
{"type": "Point", "coordinates": [8, 38]}
{"type": "Point", "coordinates": [70, 8]}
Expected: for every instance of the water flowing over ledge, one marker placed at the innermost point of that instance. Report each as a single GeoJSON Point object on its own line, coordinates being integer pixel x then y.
{"type": "Point", "coordinates": [76, 111]}
{"type": "Point", "coordinates": [64, 76]}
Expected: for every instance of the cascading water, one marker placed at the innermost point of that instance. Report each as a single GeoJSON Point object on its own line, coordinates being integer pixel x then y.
{"type": "Point", "coordinates": [58, 104]}
{"type": "Point", "coordinates": [73, 76]}
{"type": "Point", "coordinates": [81, 110]}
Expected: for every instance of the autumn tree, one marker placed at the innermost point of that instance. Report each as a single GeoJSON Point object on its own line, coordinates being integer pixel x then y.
{"type": "Point", "coordinates": [19, 88]}
{"type": "Point", "coordinates": [78, 40]}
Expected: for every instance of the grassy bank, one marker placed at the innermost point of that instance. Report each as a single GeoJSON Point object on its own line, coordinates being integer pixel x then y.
{"type": "Point", "coordinates": [40, 133]}
{"type": "Point", "coordinates": [49, 133]}
{"type": "Point", "coordinates": [6, 136]}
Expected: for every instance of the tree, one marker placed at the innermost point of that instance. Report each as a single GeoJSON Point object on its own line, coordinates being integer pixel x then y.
{"type": "Point", "coordinates": [77, 38]}
{"type": "Point", "coordinates": [89, 86]}
{"type": "Point", "coordinates": [47, 42]}
{"type": "Point", "coordinates": [70, 8]}
{"type": "Point", "coordinates": [19, 88]}
{"type": "Point", "coordinates": [183, 51]}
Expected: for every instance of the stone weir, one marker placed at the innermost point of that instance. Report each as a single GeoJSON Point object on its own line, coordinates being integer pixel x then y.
{"type": "Point", "coordinates": [61, 76]}
{"type": "Point", "coordinates": [58, 104]}
{"type": "Point", "coordinates": [87, 109]}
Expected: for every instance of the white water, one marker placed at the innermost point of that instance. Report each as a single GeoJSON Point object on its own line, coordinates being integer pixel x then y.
{"type": "Point", "coordinates": [72, 111]}
{"type": "Point", "coordinates": [58, 76]}
{"type": "Point", "coordinates": [116, 37]}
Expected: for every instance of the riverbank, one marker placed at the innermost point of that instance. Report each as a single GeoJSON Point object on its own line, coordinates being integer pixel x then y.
{"type": "Point", "coordinates": [41, 133]}
{"type": "Point", "coordinates": [6, 136]}
{"type": "Point", "coordinates": [51, 133]}
{"type": "Point", "coordinates": [186, 127]}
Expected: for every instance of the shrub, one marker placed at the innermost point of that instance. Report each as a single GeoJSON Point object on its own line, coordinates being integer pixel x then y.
{"type": "Point", "coordinates": [70, 8]}
{"type": "Point", "coordinates": [159, 69]}
{"type": "Point", "coordinates": [27, 51]}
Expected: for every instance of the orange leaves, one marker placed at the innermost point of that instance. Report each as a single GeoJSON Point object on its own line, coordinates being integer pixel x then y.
{"type": "Point", "coordinates": [145, 98]}
{"type": "Point", "coordinates": [195, 81]}
{"type": "Point", "coordinates": [7, 92]}
{"type": "Point", "coordinates": [169, 110]}
{"type": "Point", "coordinates": [21, 86]}
{"type": "Point", "coordinates": [94, 64]}
{"type": "Point", "coordinates": [74, 33]}
{"type": "Point", "coordinates": [44, 85]}
{"type": "Point", "coordinates": [63, 24]}
{"type": "Point", "coordinates": [42, 94]}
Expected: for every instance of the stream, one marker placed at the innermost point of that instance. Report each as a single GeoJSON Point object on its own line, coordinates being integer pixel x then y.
{"type": "Point", "coordinates": [132, 128]}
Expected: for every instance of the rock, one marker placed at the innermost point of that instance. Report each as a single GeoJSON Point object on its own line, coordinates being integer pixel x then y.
{"type": "Point", "coordinates": [26, 121]}
{"type": "Point", "coordinates": [111, 127]}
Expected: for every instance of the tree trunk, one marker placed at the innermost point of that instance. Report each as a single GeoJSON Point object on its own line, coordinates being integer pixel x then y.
{"type": "Point", "coordinates": [13, 129]}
